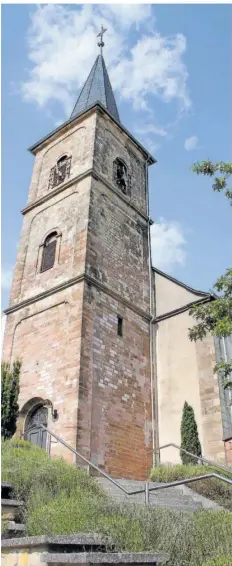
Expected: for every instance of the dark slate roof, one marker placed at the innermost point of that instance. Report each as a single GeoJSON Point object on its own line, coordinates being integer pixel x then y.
{"type": "Point", "coordinates": [97, 88]}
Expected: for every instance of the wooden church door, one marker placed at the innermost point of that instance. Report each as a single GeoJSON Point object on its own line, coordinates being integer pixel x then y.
{"type": "Point", "coordinates": [34, 433]}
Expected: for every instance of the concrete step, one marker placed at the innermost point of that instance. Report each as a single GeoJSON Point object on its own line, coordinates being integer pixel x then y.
{"type": "Point", "coordinates": [14, 530]}
{"type": "Point", "coordinates": [133, 485]}
{"type": "Point", "coordinates": [170, 498]}
{"type": "Point", "coordinates": [153, 496]}
{"type": "Point", "coordinates": [10, 508]}
{"type": "Point", "coordinates": [122, 558]}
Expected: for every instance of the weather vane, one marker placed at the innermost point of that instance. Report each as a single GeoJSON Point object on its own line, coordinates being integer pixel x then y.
{"type": "Point", "coordinates": [101, 42]}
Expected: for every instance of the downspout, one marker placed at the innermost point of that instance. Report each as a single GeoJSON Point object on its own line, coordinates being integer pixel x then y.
{"type": "Point", "coordinates": [226, 360]}
{"type": "Point", "coordinates": [151, 311]}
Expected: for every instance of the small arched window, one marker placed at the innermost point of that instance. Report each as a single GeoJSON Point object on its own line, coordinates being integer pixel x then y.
{"type": "Point", "coordinates": [49, 252]}
{"type": "Point", "coordinates": [60, 171]}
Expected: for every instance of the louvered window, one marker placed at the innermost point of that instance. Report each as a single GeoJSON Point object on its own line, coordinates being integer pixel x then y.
{"type": "Point", "coordinates": [49, 252]}
{"type": "Point", "coordinates": [121, 176]}
{"type": "Point", "coordinates": [60, 172]}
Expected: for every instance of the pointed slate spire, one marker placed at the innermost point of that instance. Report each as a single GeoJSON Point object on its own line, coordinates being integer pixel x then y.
{"type": "Point", "coordinates": [97, 88]}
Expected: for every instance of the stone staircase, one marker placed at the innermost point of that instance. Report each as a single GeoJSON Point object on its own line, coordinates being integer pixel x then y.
{"type": "Point", "coordinates": [87, 548]}
{"type": "Point", "coordinates": [178, 498]}
{"type": "Point", "coordinates": [11, 512]}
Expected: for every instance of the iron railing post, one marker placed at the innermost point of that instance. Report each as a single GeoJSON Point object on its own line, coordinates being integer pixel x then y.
{"type": "Point", "coordinates": [146, 492]}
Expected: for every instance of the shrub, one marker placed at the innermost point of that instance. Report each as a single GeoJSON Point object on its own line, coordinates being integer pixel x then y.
{"type": "Point", "coordinates": [9, 398]}
{"type": "Point", "coordinates": [37, 479]}
{"type": "Point", "coordinates": [211, 488]}
{"type": "Point", "coordinates": [220, 561]}
{"type": "Point", "coordinates": [187, 538]}
{"type": "Point", "coordinates": [189, 435]}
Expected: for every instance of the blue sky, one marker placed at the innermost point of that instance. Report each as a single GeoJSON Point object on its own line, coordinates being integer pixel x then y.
{"type": "Point", "coordinates": [169, 67]}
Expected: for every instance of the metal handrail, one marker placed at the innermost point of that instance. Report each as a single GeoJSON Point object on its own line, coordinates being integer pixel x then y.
{"type": "Point", "coordinates": [201, 458]}
{"type": "Point", "coordinates": [82, 457]}
{"type": "Point", "coordinates": [189, 480]}
{"type": "Point", "coordinates": [146, 488]}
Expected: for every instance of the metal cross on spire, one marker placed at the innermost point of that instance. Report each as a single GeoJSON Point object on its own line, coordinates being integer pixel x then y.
{"type": "Point", "coordinates": [101, 42]}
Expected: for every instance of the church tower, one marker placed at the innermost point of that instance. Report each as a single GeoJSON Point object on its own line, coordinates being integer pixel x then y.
{"type": "Point", "coordinates": [80, 305]}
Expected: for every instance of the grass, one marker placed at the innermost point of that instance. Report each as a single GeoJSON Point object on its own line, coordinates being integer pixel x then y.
{"type": "Point", "coordinates": [220, 561]}
{"type": "Point", "coordinates": [212, 488]}
{"type": "Point", "coordinates": [61, 499]}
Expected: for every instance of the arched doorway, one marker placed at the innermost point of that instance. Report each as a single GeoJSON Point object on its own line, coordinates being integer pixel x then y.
{"type": "Point", "coordinates": [38, 415]}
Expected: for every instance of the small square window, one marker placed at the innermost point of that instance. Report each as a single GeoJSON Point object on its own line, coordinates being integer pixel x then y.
{"type": "Point", "coordinates": [120, 322]}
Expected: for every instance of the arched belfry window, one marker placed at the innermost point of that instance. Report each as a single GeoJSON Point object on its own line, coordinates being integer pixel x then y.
{"type": "Point", "coordinates": [60, 171]}
{"type": "Point", "coordinates": [49, 251]}
{"type": "Point", "coordinates": [121, 176]}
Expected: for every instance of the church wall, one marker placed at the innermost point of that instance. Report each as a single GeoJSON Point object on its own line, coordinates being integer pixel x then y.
{"type": "Point", "coordinates": [76, 140]}
{"type": "Point", "coordinates": [170, 295]}
{"type": "Point", "coordinates": [68, 213]}
{"type": "Point", "coordinates": [112, 143]}
{"type": "Point", "coordinates": [47, 337]}
{"type": "Point", "coordinates": [185, 373]}
{"type": "Point", "coordinates": [211, 410]}
{"type": "Point", "coordinates": [114, 395]}
{"type": "Point", "coordinates": [117, 252]}
{"type": "Point", "coordinates": [115, 371]}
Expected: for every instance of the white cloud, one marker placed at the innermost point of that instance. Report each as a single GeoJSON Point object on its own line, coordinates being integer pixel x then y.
{"type": "Point", "coordinates": [127, 15]}
{"type": "Point", "coordinates": [62, 49]}
{"type": "Point", "coordinates": [191, 143]}
{"type": "Point", "coordinates": [167, 245]}
{"type": "Point", "coordinates": [150, 129]}
{"type": "Point", "coordinates": [6, 277]}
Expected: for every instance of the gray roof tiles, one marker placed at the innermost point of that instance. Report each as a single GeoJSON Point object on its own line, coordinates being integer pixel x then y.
{"type": "Point", "coordinates": [97, 88]}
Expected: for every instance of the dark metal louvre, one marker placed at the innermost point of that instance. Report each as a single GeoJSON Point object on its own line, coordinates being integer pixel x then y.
{"type": "Point", "coordinates": [48, 258]}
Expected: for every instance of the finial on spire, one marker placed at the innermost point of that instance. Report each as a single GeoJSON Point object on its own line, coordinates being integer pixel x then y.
{"type": "Point", "coordinates": [101, 42]}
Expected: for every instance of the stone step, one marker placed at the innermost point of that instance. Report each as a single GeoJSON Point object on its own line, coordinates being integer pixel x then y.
{"type": "Point", "coordinates": [169, 498]}
{"type": "Point", "coordinates": [153, 498]}
{"type": "Point", "coordinates": [10, 507]}
{"type": "Point", "coordinates": [122, 558]}
{"type": "Point", "coordinates": [133, 485]}
{"type": "Point", "coordinates": [116, 493]}
{"type": "Point", "coordinates": [81, 542]}
{"type": "Point", "coordinates": [14, 530]}
{"type": "Point", "coordinates": [166, 503]}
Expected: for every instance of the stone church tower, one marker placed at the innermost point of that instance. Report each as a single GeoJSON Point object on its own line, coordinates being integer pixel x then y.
{"type": "Point", "coordinates": [80, 305]}
{"type": "Point", "coordinates": [107, 363]}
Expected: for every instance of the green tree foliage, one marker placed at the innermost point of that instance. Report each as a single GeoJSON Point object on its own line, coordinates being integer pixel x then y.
{"type": "Point", "coordinates": [9, 398]}
{"type": "Point", "coordinates": [211, 169]}
{"type": "Point", "coordinates": [189, 435]}
{"type": "Point", "coordinates": [216, 316]}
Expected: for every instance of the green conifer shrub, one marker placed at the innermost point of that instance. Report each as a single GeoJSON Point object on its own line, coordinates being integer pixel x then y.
{"type": "Point", "coordinates": [9, 398]}
{"type": "Point", "coordinates": [189, 435]}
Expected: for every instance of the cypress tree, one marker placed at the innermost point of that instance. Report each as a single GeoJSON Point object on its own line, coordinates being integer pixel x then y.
{"type": "Point", "coordinates": [9, 398]}
{"type": "Point", "coordinates": [189, 435]}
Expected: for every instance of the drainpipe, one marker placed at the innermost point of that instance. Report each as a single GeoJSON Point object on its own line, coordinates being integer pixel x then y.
{"type": "Point", "coordinates": [151, 309]}
{"type": "Point", "coordinates": [229, 390]}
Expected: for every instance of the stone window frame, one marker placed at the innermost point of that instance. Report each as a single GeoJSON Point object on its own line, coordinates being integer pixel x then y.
{"type": "Point", "coordinates": [58, 233]}
{"type": "Point", "coordinates": [117, 160]}
{"type": "Point", "coordinates": [68, 158]}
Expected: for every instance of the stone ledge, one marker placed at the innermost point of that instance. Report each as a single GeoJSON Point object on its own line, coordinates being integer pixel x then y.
{"type": "Point", "coordinates": [6, 484]}
{"type": "Point", "coordinates": [11, 503]}
{"type": "Point", "coordinates": [82, 539]}
{"type": "Point", "coordinates": [106, 558]}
